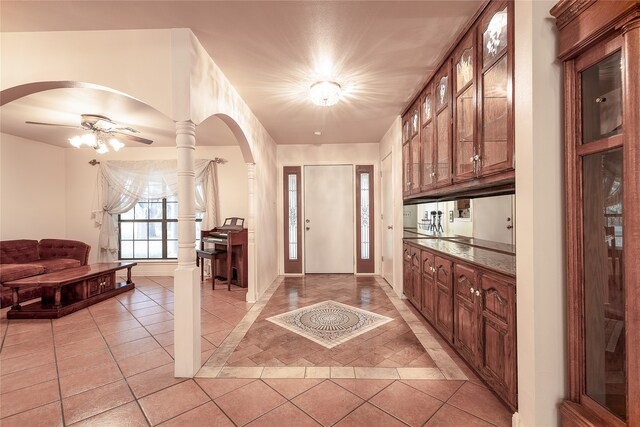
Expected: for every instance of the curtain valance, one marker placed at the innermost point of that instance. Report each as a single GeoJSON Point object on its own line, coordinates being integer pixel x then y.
{"type": "Point", "coordinates": [120, 184]}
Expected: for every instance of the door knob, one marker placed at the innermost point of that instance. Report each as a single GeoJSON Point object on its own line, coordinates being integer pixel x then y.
{"type": "Point", "coordinates": [389, 227]}
{"type": "Point", "coordinates": [509, 227]}
{"type": "Point", "coordinates": [307, 221]}
{"type": "Point", "coordinates": [307, 228]}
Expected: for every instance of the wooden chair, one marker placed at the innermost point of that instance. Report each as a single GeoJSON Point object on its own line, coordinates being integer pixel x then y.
{"type": "Point", "coordinates": [212, 255]}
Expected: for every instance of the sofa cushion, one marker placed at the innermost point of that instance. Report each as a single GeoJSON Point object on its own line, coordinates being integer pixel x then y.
{"type": "Point", "coordinates": [18, 251]}
{"type": "Point", "coordinates": [10, 272]}
{"type": "Point", "coordinates": [61, 248]}
{"type": "Point", "coordinates": [55, 264]}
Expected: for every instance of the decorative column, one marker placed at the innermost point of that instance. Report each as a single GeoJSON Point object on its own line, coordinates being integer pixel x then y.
{"type": "Point", "coordinates": [252, 291]}
{"type": "Point", "coordinates": [186, 279]}
{"type": "Point", "coordinates": [631, 203]}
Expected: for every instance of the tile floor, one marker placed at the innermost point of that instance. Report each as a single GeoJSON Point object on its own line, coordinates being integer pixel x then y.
{"type": "Point", "coordinates": [111, 365]}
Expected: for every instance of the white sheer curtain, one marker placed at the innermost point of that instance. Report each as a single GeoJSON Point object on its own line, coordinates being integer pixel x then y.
{"type": "Point", "coordinates": [120, 184]}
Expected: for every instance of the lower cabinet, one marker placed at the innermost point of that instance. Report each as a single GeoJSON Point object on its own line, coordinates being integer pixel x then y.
{"type": "Point", "coordinates": [428, 286]}
{"type": "Point", "coordinates": [466, 309]}
{"type": "Point", "coordinates": [416, 279]}
{"type": "Point", "coordinates": [407, 282]}
{"type": "Point", "coordinates": [473, 308]}
{"type": "Point", "coordinates": [444, 298]}
{"type": "Point", "coordinates": [497, 326]}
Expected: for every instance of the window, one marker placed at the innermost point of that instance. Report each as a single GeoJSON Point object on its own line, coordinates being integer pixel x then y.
{"type": "Point", "coordinates": [150, 230]}
{"type": "Point", "coordinates": [292, 228]}
{"type": "Point", "coordinates": [364, 218]}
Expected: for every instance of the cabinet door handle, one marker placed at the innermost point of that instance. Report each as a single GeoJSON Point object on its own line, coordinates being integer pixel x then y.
{"type": "Point", "coordinates": [477, 293]}
{"type": "Point", "coordinates": [472, 290]}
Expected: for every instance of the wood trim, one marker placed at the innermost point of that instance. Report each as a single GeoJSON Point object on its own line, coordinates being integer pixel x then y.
{"type": "Point", "coordinates": [631, 223]}
{"type": "Point", "coordinates": [596, 19]}
{"type": "Point", "coordinates": [604, 144]}
{"type": "Point", "coordinates": [292, 266]}
{"type": "Point", "coordinates": [365, 265]}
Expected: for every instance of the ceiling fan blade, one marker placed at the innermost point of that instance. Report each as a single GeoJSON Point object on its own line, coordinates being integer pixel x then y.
{"type": "Point", "coordinates": [53, 124]}
{"type": "Point", "coordinates": [128, 137]}
{"type": "Point", "coordinates": [127, 129]}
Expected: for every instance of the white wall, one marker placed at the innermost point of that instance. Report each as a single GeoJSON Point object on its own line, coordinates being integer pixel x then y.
{"type": "Point", "coordinates": [325, 154]}
{"type": "Point", "coordinates": [81, 179]}
{"type": "Point", "coordinates": [32, 189]}
{"type": "Point", "coordinates": [540, 250]}
{"type": "Point", "coordinates": [391, 143]}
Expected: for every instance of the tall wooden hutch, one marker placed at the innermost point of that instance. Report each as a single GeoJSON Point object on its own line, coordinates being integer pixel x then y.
{"type": "Point", "coordinates": [599, 43]}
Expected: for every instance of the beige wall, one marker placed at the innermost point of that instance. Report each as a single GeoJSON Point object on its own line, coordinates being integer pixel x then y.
{"type": "Point", "coordinates": [47, 191]}
{"type": "Point", "coordinates": [81, 178]}
{"type": "Point", "coordinates": [391, 145]}
{"type": "Point", "coordinates": [32, 189]}
{"type": "Point", "coordinates": [326, 154]}
{"type": "Point", "coordinates": [540, 250]}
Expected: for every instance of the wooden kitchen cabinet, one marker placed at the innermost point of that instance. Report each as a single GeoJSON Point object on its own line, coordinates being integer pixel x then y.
{"type": "Point", "coordinates": [444, 298]}
{"type": "Point", "coordinates": [466, 309]}
{"type": "Point", "coordinates": [407, 281]}
{"type": "Point", "coordinates": [416, 278]}
{"type": "Point", "coordinates": [465, 138]}
{"type": "Point", "coordinates": [427, 141]}
{"type": "Point", "coordinates": [497, 357]}
{"type": "Point", "coordinates": [474, 309]}
{"type": "Point", "coordinates": [427, 308]}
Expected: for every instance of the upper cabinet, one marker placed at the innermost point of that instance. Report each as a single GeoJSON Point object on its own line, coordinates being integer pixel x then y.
{"type": "Point", "coordinates": [443, 125]}
{"type": "Point", "coordinates": [496, 149]}
{"type": "Point", "coordinates": [465, 129]}
{"type": "Point", "coordinates": [465, 141]}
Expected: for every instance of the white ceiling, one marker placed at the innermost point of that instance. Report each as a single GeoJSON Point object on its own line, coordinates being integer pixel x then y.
{"type": "Point", "coordinates": [380, 51]}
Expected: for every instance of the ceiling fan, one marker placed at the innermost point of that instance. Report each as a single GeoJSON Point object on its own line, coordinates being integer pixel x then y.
{"type": "Point", "coordinates": [103, 130]}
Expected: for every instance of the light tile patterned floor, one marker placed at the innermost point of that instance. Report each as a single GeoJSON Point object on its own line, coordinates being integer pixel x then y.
{"type": "Point", "coordinates": [111, 364]}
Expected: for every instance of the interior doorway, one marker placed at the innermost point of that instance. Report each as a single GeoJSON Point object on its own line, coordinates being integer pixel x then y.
{"type": "Point", "coordinates": [387, 219]}
{"type": "Point", "coordinates": [329, 219]}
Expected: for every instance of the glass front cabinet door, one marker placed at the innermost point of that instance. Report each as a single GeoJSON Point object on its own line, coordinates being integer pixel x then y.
{"type": "Point", "coordinates": [465, 151]}
{"type": "Point", "coordinates": [406, 157]}
{"type": "Point", "coordinates": [443, 125]}
{"type": "Point", "coordinates": [495, 153]}
{"type": "Point", "coordinates": [415, 148]}
{"type": "Point", "coordinates": [602, 155]}
{"type": "Point", "coordinates": [426, 141]}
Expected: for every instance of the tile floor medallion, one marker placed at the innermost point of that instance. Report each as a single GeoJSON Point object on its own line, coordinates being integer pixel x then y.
{"type": "Point", "coordinates": [329, 323]}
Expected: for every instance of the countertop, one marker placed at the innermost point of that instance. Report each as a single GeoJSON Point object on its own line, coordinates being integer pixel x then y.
{"type": "Point", "coordinates": [492, 259]}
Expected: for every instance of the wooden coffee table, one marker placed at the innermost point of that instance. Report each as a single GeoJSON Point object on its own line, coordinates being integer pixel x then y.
{"type": "Point", "coordinates": [69, 290]}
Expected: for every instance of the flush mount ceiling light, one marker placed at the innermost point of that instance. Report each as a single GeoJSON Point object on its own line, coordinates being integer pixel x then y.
{"type": "Point", "coordinates": [325, 93]}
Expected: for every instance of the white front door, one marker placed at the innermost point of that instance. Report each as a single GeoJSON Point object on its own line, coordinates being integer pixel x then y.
{"type": "Point", "coordinates": [328, 222]}
{"type": "Point", "coordinates": [387, 220]}
{"type": "Point", "coordinates": [493, 219]}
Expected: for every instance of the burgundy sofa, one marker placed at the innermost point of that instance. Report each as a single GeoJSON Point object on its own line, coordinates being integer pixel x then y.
{"type": "Point", "coordinates": [26, 258]}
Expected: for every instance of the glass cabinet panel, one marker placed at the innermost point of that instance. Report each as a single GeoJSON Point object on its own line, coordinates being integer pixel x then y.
{"type": "Point", "coordinates": [415, 159]}
{"type": "Point", "coordinates": [443, 122]}
{"type": "Point", "coordinates": [415, 121]}
{"type": "Point", "coordinates": [495, 114]}
{"type": "Point", "coordinates": [465, 109]}
{"type": "Point", "coordinates": [442, 92]}
{"type": "Point", "coordinates": [427, 154]}
{"type": "Point", "coordinates": [464, 69]}
{"type": "Point", "coordinates": [405, 132]}
{"type": "Point", "coordinates": [426, 109]}
{"type": "Point", "coordinates": [602, 99]}
{"type": "Point", "coordinates": [494, 38]}
{"type": "Point", "coordinates": [604, 321]}
{"type": "Point", "coordinates": [406, 168]}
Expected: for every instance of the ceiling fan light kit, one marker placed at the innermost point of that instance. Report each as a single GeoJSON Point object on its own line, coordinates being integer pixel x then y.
{"type": "Point", "coordinates": [325, 93]}
{"type": "Point", "coordinates": [104, 133]}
